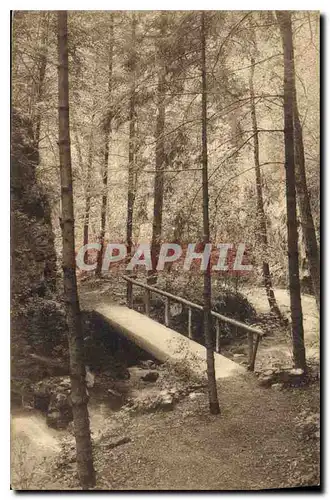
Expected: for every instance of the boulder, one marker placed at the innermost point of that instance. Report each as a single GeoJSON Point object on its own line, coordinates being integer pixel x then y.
{"type": "Point", "coordinates": [165, 401]}
{"type": "Point", "coordinates": [52, 396]}
{"type": "Point", "coordinates": [150, 376]}
{"type": "Point", "coordinates": [42, 400]}
{"type": "Point", "coordinates": [59, 413]}
{"type": "Point", "coordinates": [286, 377]}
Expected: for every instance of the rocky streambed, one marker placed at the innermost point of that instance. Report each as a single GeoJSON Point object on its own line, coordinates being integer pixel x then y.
{"type": "Point", "coordinates": [42, 429]}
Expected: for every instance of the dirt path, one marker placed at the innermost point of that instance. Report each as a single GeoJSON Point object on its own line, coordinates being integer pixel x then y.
{"type": "Point", "coordinates": [257, 297]}
{"type": "Point", "coordinates": [276, 347]}
{"type": "Point", "coordinates": [255, 443]}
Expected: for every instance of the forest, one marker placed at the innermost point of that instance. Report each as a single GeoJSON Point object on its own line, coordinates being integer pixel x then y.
{"type": "Point", "coordinates": [166, 164]}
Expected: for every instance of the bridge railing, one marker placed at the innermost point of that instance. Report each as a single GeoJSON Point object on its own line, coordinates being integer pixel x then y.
{"type": "Point", "coordinates": [252, 332]}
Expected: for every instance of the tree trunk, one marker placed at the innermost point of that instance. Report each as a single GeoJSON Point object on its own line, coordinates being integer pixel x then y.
{"type": "Point", "coordinates": [260, 203]}
{"type": "Point", "coordinates": [212, 386]}
{"type": "Point", "coordinates": [79, 395]}
{"type": "Point", "coordinates": [299, 355]}
{"type": "Point", "coordinates": [307, 222]}
{"type": "Point", "coordinates": [42, 65]}
{"type": "Point", "coordinates": [89, 167]}
{"type": "Point", "coordinates": [107, 135]}
{"type": "Point", "coordinates": [160, 154]}
{"type": "Point", "coordinates": [131, 152]}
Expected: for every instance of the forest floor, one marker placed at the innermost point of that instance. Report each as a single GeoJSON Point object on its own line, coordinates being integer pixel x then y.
{"type": "Point", "coordinates": [263, 439]}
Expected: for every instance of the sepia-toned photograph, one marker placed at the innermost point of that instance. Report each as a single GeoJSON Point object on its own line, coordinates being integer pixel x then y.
{"type": "Point", "coordinates": [165, 250]}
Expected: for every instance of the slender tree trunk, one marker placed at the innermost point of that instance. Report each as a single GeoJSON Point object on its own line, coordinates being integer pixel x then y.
{"type": "Point", "coordinates": [88, 186]}
{"type": "Point", "coordinates": [77, 144]}
{"type": "Point", "coordinates": [299, 355]}
{"type": "Point", "coordinates": [212, 386]}
{"type": "Point", "coordinates": [260, 203]}
{"type": "Point", "coordinates": [79, 395]}
{"type": "Point", "coordinates": [307, 222]}
{"type": "Point", "coordinates": [42, 65]}
{"type": "Point", "coordinates": [107, 135]}
{"type": "Point", "coordinates": [90, 166]}
{"type": "Point", "coordinates": [131, 151]}
{"type": "Point", "coordinates": [160, 154]}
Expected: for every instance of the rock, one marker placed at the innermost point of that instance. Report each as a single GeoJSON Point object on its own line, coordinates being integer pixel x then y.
{"type": "Point", "coordinates": [294, 376]}
{"type": "Point", "coordinates": [151, 376]}
{"type": "Point", "coordinates": [148, 364]}
{"type": "Point", "coordinates": [52, 396]}
{"type": "Point", "coordinates": [166, 402]}
{"type": "Point", "coordinates": [90, 378]}
{"type": "Point", "coordinates": [287, 377]}
{"type": "Point", "coordinates": [42, 401]}
{"type": "Point", "coordinates": [277, 386]}
{"type": "Point", "coordinates": [296, 371]}
{"type": "Point", "coordinates": [151, 402]}
{"type": "Point", "coordinates": [60, 411]}
{"type": "Point", "coordinates": [116, 394]}
{"type": "Point", "coordinates": [53, 419]}
{"type": "Point", "coordinates": [265, 381]}
{"type": "Point", "coordinates": [237, 355]}
{"type": "Point", "coordinates": [65, 382]}
{"type": "Point", "coordinates": [195, 395]}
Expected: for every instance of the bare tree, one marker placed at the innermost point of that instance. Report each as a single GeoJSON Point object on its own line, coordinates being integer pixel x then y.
{"type": "Point", "coordinates": [79, 395]}
{"type": "Point", "coordinates": [299, 355]}
{"type": "Point", "coordinates": [212, 386]}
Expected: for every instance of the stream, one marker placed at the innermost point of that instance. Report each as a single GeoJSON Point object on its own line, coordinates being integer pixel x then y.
{"type": "Point", "coordinates": [34, 445]}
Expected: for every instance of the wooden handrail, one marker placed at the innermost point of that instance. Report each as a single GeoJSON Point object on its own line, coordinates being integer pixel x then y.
{"type": "Point", "coordinates": [186, 302]}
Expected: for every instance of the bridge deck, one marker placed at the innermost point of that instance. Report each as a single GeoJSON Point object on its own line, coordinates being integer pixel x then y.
{"type": "Point", "coordinates": [162, 342]}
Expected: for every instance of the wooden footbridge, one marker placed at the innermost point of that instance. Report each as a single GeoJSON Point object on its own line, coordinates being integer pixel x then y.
{"type": "Point", "coordinates": [165, 344]}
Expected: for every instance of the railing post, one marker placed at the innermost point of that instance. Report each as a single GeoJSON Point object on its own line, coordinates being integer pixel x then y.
{"type": "Point", "coordinates": [217, 337]}
{"type": "Point", "coordinates": [167, 311]}
{"type": "Point", "coordinates": [250, 344]}
{"type": "Point", "coordinates": [147, 301]}
{"type": "Point", "coordinates": [189, 323]}
{"type": "Point", "coordinates": [253, 359]}
{"type": "Point", "coordinates": [129, 294]}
